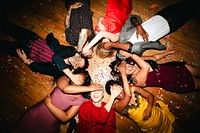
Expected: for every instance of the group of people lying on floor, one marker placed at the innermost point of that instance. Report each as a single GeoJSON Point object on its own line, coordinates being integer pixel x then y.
{"type": "Point", "coordinates": [118, 34]}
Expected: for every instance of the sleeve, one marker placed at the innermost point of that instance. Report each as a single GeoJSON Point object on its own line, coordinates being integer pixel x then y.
{"type": "Point", "coordinates": [47, 68]}
{"type": "Point", "coordinates": [110, 126]}
{"type": "Point", "coordinates": [111, 118]}
{"type": "Point", "coordinates": [61, 54]}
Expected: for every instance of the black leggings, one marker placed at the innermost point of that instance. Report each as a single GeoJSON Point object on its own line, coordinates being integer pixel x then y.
{"type": "Point", "coordinates": [178, 14]}
{"type": "Point", "coordinates": [23, 36]}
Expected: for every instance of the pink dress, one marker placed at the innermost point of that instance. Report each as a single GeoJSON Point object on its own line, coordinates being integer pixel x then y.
{"type": "Point", "coordinates": [117, 12]}
{"type": "Point", "coordinates": [38, 119]}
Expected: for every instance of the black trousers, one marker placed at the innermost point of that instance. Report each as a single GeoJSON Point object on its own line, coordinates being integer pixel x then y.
{"type": "Point", "coordinates": [23, 39]}
{"type": "Point", "coordinates": [178, 14]}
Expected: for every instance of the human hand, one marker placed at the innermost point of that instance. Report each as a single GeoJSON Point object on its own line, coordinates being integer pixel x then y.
{"type": "Point", "coordinates": [87, 52]}
{"type": "Point", "coordinates": [76, 5]}
{"type": "Point", "coordinates": [122, 67]}
{"type": "Point", "coordinates": [140, 31]}
{"type": "Point", "coordinates": [96, 87]}
{"type": "Point", "coordinates": [77, 79]}
{"type": "Point", "coordinates": [125, 54]}
{"type": "Point", "coordinates": [23, 56]}
{"type": "Point", "coordinates": [47, 100]}
{"type": "Point", "coordinates": [115, 91]}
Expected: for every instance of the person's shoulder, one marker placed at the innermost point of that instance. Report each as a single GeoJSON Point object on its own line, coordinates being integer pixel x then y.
{"type": "Point", "coordinates": [87, 103]}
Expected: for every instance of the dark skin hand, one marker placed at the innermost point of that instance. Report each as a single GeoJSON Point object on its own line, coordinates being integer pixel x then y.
{"type": "Point", "coordinates": [140, 31]}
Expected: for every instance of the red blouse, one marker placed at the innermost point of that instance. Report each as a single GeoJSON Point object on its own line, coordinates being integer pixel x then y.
{"type": "Point", "coordinates": [117, 12]}
{"type": "Point", "coordinates": [93, 119]}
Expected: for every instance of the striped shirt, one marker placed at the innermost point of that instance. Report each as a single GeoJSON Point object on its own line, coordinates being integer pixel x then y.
{"type": "Point", "coordinates": [40, 51]}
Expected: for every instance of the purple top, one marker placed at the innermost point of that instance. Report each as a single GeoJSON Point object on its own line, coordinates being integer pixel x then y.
{"type": "Point", "coordinates": [38, 119]}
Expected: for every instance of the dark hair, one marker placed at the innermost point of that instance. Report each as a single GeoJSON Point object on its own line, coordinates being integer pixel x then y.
{"type": "Point", "coordinates": [130, 61]}
{"type": "Point", "coordinates": [109, 84]}
{"type": "Point", "coordinates": [87, 76]}
{"type": "Point", "coordinates": [87, 81]}
{"type": "Point", "coordinates": [85, 65]}
{"type": "Point", "coordinates": [115, 73]}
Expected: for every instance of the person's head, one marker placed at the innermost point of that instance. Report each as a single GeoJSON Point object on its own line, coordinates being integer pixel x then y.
{"type": "Point", "coordinates": [85, 76]}
{"type": "Point", "coordinates": [97, 96]}
{"type": "Point", "coordinates": [113, 84]}
{"type": "Point", "coordinates": [81, 63]}
{"type": "Point", "coordinates": [89, 55]}
{"type": "Point", "coordinates": [130, 67]}
{"type": "Point", "coordinates": [103, 53]}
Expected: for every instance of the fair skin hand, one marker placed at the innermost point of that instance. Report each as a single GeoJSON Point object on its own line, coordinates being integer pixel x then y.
{"type": "Point", "coordinates": [67, 17]}
{"type": "Point", "coordinates": [58, 113]}
{"type": "Point", "coordinates": [72, 89]}
{"type": "Point", "coordinates": [114, 93]}
{"type": "Point", "coordinates": [63, 85]}
{"type": "Point", "coordinates": [23, 57]}
{"type": "Point", "coordinates": [99, 36]}
{"type": "Point", "coordinates": [74, 77]}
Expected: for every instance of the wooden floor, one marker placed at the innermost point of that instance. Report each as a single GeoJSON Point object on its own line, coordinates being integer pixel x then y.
{"type": "Point", "coordinates": [20, 88]}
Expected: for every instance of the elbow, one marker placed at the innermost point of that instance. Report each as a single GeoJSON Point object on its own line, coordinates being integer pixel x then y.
{"type": "Point", "coordinates": [65, 90]}
{"type": "Point", "coordinates": [115, 37]}
{"type": "Point", "coordinates": [54, 58]}
{"type": "Point", "coordinates": [64, 120]}
{"type": "Point", "coordinates": [151, 96]}
{"type": "Point", "coordinates": [146, 65]}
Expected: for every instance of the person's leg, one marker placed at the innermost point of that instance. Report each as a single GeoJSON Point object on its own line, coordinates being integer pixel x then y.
{"type": "Point", "coordinates": [178, 14]}
{"type": "Point", "coordinates": [197, 83]}
{"type": "Point", "coordinates": [194, 70]}
{"type": "Point", "coordinates": [159, 56]}
{"type": "Point", "coordinates": [9, 47]}
{"type": "Point", "coordinates": [18, 32]}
